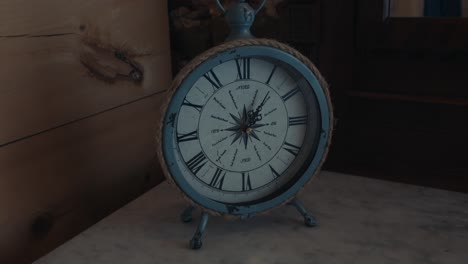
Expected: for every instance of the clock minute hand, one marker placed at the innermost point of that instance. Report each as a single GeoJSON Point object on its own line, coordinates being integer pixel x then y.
{"type": "Point", "coordinates": [263, 102]}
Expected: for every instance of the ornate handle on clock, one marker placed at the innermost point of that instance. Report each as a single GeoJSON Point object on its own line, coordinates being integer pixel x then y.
{"type": "Point", "coordinates": [240, 17]}
{"type": "Point", "coordinates": [240, 1]}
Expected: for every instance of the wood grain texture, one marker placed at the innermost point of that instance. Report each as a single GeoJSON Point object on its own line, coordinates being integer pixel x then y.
{"type": "Point", "coordinates": [76, 131]}
{"type": "Point", "coordinates": [46, 48]}
{"type": "Point", "coordinates": [73, 176]}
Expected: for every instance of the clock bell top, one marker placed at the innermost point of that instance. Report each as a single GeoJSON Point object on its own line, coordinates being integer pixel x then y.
{"type": "Point", "coordinates": [240, 16]}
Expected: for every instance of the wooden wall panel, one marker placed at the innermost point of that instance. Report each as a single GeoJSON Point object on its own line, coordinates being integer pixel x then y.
{"type": "Point", "coordinates": [55, 184]}
{"type": "Point", "coordinates": [58, 64]}
{"type": "Point", "coordinates": [76, 131]}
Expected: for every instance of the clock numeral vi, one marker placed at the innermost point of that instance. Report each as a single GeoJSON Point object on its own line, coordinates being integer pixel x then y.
{"type": "Point", "coordinates": [196, 163]}
{"type": "Point", "coordinates": [213, 79]}
{"type": "Point", "coordinates": [290, 94]}
{"type": "Point", "coordinates": [293, 149]}
{"type": "Point", "coordinates": [187, 137]}
{"type": "Point", "coordinates": [297, 121]}
{"type": "Point", "coordinates": [218, 179]}
{"type": "Point", "coordinates": [243, 68]}
{"type": "Point", "coordinates": [246, 183]}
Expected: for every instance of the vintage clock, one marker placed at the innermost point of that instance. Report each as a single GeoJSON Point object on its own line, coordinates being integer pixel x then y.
{"type": "Point", "coordinates": [246, 126]}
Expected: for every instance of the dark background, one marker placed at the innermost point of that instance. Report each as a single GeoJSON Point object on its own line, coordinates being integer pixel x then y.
{"type": "Point", "coordinates": [399, 85]}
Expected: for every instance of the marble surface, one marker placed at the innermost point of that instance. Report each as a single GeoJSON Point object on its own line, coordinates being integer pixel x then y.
{"type": "Point", "coordinates": [361, 221]}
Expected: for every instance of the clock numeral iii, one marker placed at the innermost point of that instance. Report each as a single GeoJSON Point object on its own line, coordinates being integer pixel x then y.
{"type": "Point", "coordinates": [213, 79]}
{"type": "Point", "coordinates": [196, 163]}
{"type": "Point", "coordinates": [243, 68]}
{"type": "Point", "coordinates": [293, 149]}
{"type": "Point", "coordinates": [218, 179]}
{"type": "Point", "coordinates": [246, 183]}
{"type": "Point", "coordinates": [187, 137]}
{"type": "Point", "coordinates": [297, 121]}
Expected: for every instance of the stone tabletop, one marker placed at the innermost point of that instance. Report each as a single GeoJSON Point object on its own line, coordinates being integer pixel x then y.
{"type": "Point", "coordinates": [361, 220]}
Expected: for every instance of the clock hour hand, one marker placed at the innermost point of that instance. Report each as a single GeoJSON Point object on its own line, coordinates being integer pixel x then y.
{"type": "Point", "coordinates": [255, 116]}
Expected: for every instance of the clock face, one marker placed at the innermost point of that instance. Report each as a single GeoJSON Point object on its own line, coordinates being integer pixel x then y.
{"type": "Point", "coordinates": [244, 129]}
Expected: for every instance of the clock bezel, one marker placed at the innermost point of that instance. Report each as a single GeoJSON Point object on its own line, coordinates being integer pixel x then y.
{"type": "Point", "coordinates": [230, 52]}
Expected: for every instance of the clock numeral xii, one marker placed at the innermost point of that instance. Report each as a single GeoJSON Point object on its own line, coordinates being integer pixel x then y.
{"type": "Point", "coordinates": [243, 68]}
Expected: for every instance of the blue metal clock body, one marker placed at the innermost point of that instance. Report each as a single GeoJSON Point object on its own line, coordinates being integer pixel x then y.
{"type": "Point", "coordinates": [247, 125]}
{"type": "Point", "coordinates": [169, 134]}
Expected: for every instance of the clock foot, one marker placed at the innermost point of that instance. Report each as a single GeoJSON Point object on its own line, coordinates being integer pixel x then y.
{"type": "Point", "coordinates": [196, 242]}
{"type": "Point", "coordinates": [309, 220]}
{"type": "Point", "coordinates": [186, 215]}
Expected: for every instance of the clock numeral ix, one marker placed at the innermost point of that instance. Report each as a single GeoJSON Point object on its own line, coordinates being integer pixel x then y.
{"type": "Point", "coordinates": [293, 149]}
{"type": "Point", "coordinates": [243, 68]}
{"type": "Point", "coordinates": [196, 163]}
{"type": "Point", "coordinates": [246, 183]}
{"type": "Point", "coordinates": [218, 179]}
{"type": "Point", "coordinates": [213, 79]}
{"type": "Point", "coordinates": [187, 137]}
{"type": "Point", "coordinates": [297, 121]}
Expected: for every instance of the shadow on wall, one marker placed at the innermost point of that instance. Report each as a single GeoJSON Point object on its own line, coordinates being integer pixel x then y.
{"type": "Point", "coordinates": [428, 8]}
{"type": "Point", "coordinates": [198, 25]}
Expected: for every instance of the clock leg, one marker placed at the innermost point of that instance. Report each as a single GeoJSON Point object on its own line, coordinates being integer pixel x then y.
{"type": "Point", "coordinates": [186, 215]}
{"type": "Point", "coordinates": [309, 220]}
{"type": "Point", "coordinates": [196, 242]}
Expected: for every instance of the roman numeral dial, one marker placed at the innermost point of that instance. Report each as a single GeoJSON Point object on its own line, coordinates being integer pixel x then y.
{"type": "Point", "coordinates": [293, 149]}
{"type": "Point", "coordinates": [246, 183]}
{"type": "Point", "coordinates": [271, 74]}
{"type": "Point", "coordinates": [297, 121]}
{"type": "Point", "coordinates": [274, 172]}
{"type": "Point", "coordinates": [243, 68]}
{"type": "Point", "coordinates": [242, 129]}
{"type": "Point", "coordinates": [218, 179]}
{"type": "Point", "coordinates": [187, 137]}
{"type": "Point", "coordinates": [213, 79]}
{"type": "Point", "coordinates": [197, 162]}
{"type": "Point", "coordinates": [195, 106]}
{"type": "Point", "coordinates": [290, 94]}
